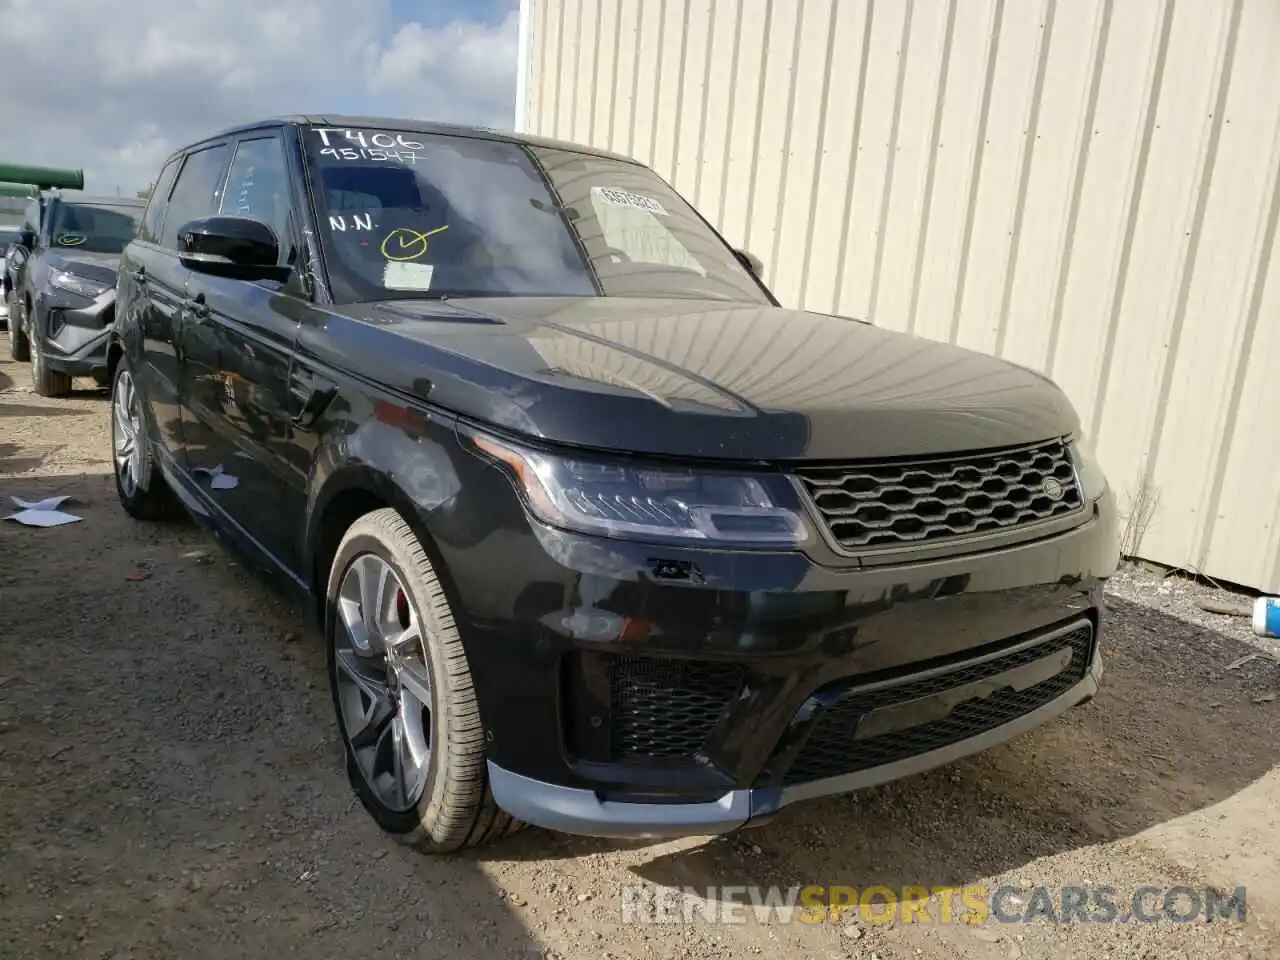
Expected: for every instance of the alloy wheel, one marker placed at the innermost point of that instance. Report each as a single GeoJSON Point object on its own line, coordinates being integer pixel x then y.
{"type": "Point", "coordinates": [36, 357]}
{"type": "Point", "coordinates": [385, 694]}
{"type": "Point", "coordinates": [126, 433]}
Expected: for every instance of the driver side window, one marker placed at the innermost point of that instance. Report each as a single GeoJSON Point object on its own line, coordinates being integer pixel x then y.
{"type": "Point", "coordinates": [196, 192]}
{"type": "Point", "coordinates": [258, 187]}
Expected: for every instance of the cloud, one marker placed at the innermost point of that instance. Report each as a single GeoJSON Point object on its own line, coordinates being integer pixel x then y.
{"type": "Point", "coordinates": [112, 88]}
{"type": "Point", "coordinates": [459, 72]}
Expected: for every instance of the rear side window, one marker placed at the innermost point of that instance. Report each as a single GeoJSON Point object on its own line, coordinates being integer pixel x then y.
{"type": "Point", "coordinates": [154, 217]}
{"type": "Point", "coordinates": [196, 194]}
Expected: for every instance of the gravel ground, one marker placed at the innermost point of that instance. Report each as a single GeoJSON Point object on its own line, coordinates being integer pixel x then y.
{"type": "Point", "coordinates": [171, 785]}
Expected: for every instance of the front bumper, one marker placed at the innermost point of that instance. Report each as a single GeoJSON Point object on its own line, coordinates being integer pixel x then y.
{"type": "Point", "coordinates": [580, 811]}
{"type": "Point", "coordinates": [629, 689]}
{"type": "Point", "coordinates": [75, 331]}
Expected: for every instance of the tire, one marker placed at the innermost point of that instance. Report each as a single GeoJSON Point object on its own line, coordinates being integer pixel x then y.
{"type": "Point", "coordinates": [45, 382]}
{"type": "Point", "coordinates": [143, 491]}
{"type": "Point", "coordinates": [450, 806]}
{"type": "Point", "coordinates": [18, 347]}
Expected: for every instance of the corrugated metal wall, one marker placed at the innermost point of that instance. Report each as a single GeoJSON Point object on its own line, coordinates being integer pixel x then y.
{"type": "Point", "coordinates": [1088, 187]}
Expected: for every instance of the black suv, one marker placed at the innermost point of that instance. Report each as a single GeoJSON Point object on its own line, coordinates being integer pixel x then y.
{"type": "Point", "coordinates": [60, 286]}
{"type": "Point", "coordinates": [601, 537]}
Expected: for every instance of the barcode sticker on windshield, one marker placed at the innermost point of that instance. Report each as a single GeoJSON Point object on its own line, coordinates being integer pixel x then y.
{"type": "Point", "coordinates": [617, 197]}
{"type": "Point", "coordinates": [404, 275]}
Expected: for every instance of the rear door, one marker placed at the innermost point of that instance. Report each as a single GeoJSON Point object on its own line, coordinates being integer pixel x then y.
{"type": "Point", "coordinates": [150, 285]}
{"type": "Point", "coordinates": [237, 351]}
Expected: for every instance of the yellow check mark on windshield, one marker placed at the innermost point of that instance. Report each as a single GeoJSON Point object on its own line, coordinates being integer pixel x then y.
{"type": "Point", "coordinates": [404, 243]}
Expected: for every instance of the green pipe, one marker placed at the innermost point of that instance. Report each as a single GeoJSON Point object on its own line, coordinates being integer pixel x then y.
{"type": "Point", "coordinates": [46, 178]}
{"type": "Point", "coordinates": [21, 191]}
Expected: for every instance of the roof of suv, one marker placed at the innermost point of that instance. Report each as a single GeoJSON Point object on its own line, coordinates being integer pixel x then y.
{"type": "Point", "coordinates": [414, 126]}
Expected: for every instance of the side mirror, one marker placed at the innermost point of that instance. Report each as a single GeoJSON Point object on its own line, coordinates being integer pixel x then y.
{"type": "Point", "coordinates": [240, 248]}
{"type": "Point", "coordinates": [26, 238]}
{"type": "Point", "coordinates": [751, 262]}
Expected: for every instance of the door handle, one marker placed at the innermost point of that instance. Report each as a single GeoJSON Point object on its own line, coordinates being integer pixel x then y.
{"type": "Point", "coordinates": [139, 275]}
{"type": "Point", "coordinates": [197, 308]}
{"type": "Point", "coordinates": [315, 395]}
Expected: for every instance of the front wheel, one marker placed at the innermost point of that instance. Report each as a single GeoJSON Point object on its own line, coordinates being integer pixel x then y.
{"type": "Point", "coordinates": [141, 487]}
{"type": "Point", "coordinates": [45, 381]}
{"type": "Point", "coordinates": [18, 349]}
{"type": "Point", "coordinates": [403, 694]}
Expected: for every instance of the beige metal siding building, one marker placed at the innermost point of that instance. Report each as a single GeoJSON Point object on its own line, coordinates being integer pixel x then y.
{"type": "Point", "coordinates": [1088, 187]}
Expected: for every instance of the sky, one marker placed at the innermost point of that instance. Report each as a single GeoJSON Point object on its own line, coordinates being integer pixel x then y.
{"type": "Point", "coordinates": [114, 87]}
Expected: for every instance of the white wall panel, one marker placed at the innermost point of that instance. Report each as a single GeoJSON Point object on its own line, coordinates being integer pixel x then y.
{"type": "Point", "coordinates": [823, 255]}
{"type": "Point", "coordinates": [1086, 187]}
{"type": "Point", "coordinates": [901, 225]}
{"type": "Point", "coordinates": [961, 135]}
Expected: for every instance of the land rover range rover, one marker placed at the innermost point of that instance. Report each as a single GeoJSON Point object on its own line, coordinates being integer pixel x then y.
{"type": "Point", "coordinates": [600, 536]}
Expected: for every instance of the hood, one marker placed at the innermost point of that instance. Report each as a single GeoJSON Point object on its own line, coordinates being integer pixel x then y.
{"type": "Point", "coordinates": [94, 266]}
{"type": "Point", "coordinates": [697, 379]}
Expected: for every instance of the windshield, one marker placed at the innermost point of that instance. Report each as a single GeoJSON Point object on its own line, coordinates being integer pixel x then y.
{"type": "Point", "coordinates": [93, 227]}
{"type": "Point", "coordinates": [409, 215]}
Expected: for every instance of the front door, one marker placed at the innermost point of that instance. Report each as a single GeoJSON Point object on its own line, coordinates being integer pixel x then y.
{"type": "Point", "coordinates": [159, 285]}
{"type": "Point", "coordinates": [238, 343]}
{"type": "Point", "coordinates": [151, 287]}
{"type": "Point", "coordinates": [162, 285]}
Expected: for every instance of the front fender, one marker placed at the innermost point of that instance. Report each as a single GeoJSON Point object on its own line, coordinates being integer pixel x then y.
{"type": "Point", "coordinates": [400, 455]}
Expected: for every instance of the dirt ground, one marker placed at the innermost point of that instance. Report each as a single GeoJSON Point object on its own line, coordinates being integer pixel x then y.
{"type": "Point", "coordinates": [171, 784]}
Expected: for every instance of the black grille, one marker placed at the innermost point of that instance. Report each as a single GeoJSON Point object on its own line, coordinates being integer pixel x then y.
{"type": "Point", "coordinates": [901, 504]}
{"type": "Point", "coordinates": [833, 747]}
{"type": "Point", "coordinates": [664, 709]}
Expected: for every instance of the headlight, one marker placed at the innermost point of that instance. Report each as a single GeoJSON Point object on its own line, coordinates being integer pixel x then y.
{"type": "Point", "coordinates": [642, 503]}
{"type": "Point", "coordinates": [1093, 482]}
{"type": "Point", "coordinates": [74, 283]}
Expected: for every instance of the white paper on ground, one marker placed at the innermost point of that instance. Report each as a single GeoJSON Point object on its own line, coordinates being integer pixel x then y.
{"type": "Point", "coordinates": [405, 275]}
{"type": "Point", "coordinates": [48, 503]}
{"type": "Point", "coordinates": [43, 518]}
